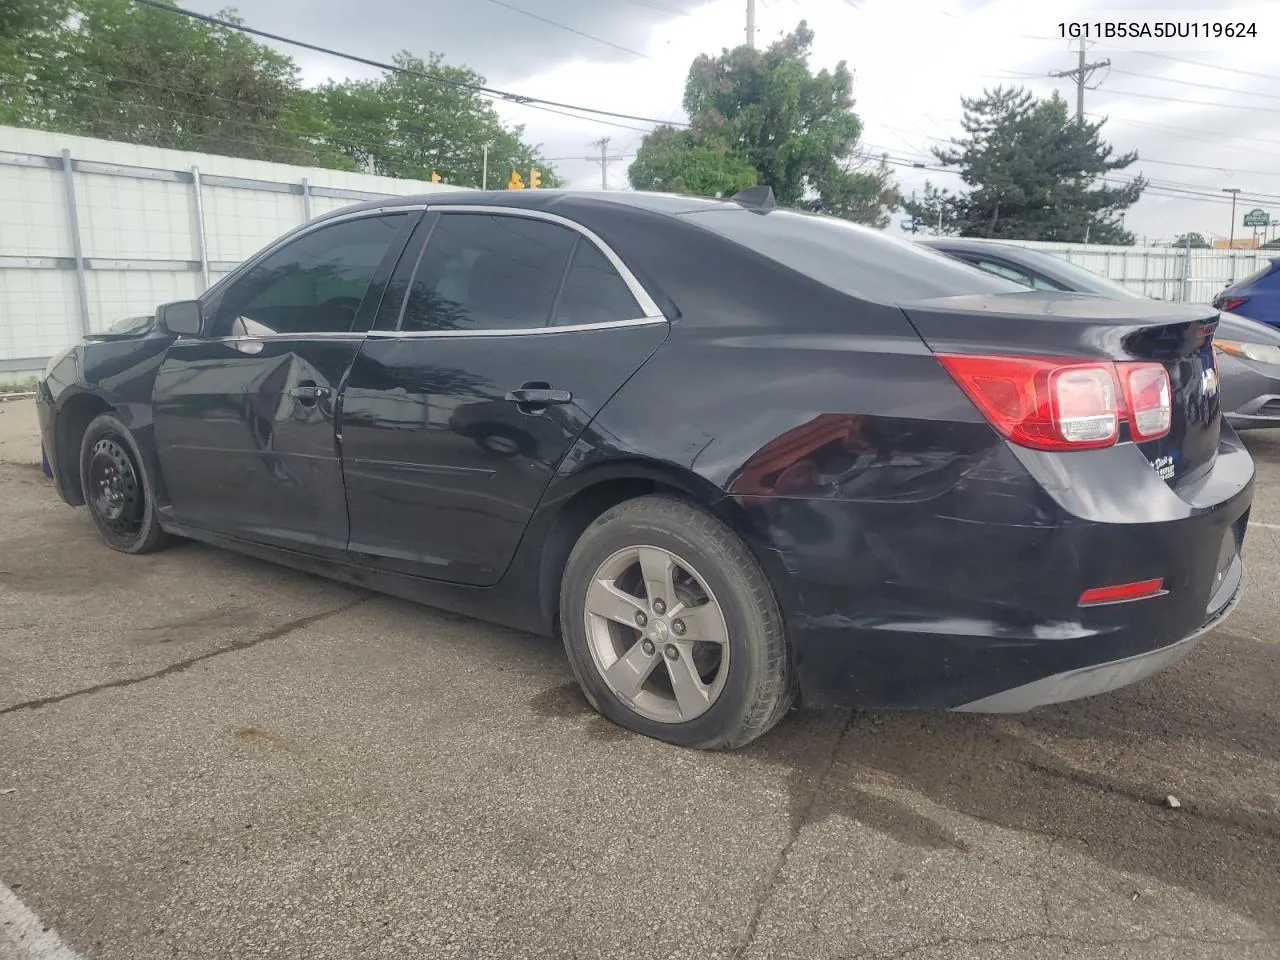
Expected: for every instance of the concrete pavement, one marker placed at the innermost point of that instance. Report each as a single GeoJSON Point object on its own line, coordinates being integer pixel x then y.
{"type": "Point", "coordinates": [208, 756]}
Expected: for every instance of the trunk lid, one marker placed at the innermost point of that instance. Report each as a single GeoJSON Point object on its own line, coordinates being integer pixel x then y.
{"type": "Point", "coordinates": [1078, 326]}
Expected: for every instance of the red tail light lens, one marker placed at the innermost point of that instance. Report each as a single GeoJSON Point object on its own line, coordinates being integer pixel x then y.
{"type": "Point", "coordinates": [1050, 404]}
{"type": "Point", "coordinates": [1230, 303]}
{"type": "Point", "coordinates": [1149, 396]}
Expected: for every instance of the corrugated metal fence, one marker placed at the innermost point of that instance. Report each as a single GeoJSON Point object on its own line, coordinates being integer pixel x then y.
{"type": "Point", "coordinates": [93, 231]}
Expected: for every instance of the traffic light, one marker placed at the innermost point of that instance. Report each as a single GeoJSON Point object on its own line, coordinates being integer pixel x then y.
{"type": "Point", "coordinates": [535, 178]}
{"type": "Point", "coordinates": [515, 183]}
{"type": "Point", "coordinates": [435, 177]}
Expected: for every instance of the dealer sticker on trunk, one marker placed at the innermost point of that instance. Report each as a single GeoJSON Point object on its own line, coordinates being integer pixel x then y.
{"type": "Point", "coordinates": [1163, 466]}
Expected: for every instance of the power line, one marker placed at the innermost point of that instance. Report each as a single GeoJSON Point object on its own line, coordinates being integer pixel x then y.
{"type": "Point", "coordinates": [1192, 83]}
{"type": "Point", "coordinates": [1177, 131]}
{"type": "Point", "coordinates": [654, 5]}
{"type": "Point", "coordinates": [563, 26]}
{"type": "Point", "coordinates": [1158, 186]}
{"type": "Point", "coordinates": [1230, 171]}
{"type": "Point", "coordinates": [1198, 63]}
{"type": "Point", "coordinates": [537, 103]}
{"type": "Point", "coordinates": [1198, 103]}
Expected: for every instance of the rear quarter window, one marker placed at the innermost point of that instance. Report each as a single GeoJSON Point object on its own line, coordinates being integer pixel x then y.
{"type": "Point", "coordinates": [853, 259]}
{"type": "Point", "coordinates": [1268, 277]}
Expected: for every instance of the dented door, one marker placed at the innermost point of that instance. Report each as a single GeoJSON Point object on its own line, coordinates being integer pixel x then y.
{"type": "Point", "coordinates": [246, 437]}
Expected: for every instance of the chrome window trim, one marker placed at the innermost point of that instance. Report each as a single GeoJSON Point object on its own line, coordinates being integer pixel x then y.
{"type": "Point", "coordinates": [652, 314]}
{"type": "Point", "coordinates": [513, 331]}
{"type": "Point", "coordinates": [645, 302]}
{"type": "Point", "coordinates": [434, 334]}
{"type": "Point", "coordinates": [269, 337]}
{"type": "Point", "coordinates": [326, 220]}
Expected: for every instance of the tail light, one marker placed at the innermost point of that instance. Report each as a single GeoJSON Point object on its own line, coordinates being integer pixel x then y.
{"type": "Point", "coordinates": [1147, 392]}
{"type": "Point", "coordinates": [1230, 303]}
{"type": "Point", "coordinates": [1050, 404]}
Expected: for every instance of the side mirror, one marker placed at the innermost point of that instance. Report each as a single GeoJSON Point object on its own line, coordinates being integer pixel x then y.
{"type": "Point", "coordinates": [184, 318]}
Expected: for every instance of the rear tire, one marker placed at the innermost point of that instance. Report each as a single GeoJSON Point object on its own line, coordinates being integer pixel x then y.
{"type": "Point", "coordinates": [708, 664]}
{"type": "Point", "coordinates": [117, 489]}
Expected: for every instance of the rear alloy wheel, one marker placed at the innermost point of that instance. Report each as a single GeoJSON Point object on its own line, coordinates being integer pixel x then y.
{"type": "Point", "coordinates": [116, 490]}
{"type": "Point", "coordinates": [672, 628]}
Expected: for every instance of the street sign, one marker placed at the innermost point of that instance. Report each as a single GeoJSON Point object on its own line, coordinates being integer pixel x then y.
{"type": "Point", "coordinates": [908, 224]}
{"type": "Point", "coordinates": [1257, 217]}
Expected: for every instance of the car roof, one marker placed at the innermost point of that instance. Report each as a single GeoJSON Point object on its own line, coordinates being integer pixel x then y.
{"type": "Point", "coordinates": [670, 204]}
{"type": "Point", "coordinates": [967, 243]}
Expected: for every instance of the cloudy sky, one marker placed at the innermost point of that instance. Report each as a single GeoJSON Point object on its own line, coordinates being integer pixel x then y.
{"type": "Point", "coordinates": [1203, 116]}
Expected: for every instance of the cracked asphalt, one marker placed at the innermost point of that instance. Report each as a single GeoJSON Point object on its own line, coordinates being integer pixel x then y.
{"type": "Point", "coordinates": [205, 756]}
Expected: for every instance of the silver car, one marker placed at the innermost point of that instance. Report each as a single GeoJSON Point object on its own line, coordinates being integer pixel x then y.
{"type": "Point", "coordinates": [1248, 351]}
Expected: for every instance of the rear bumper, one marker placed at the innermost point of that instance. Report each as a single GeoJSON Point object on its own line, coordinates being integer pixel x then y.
{"type": "Point", "coordinates": [1250, 393]}
{"type": "Point", "coordinates": [1104, 677]}
{"type": "Point", "coordinates": [969, 600]}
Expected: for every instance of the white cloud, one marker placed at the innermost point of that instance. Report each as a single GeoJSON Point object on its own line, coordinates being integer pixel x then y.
{"type": "Point", "coordinates": [912, 61]}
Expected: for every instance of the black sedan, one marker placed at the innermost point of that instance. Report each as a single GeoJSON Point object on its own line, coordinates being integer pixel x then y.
{"type": "Point", "coordinates": [1249, 361]}
{"type": "Point", "coordinates": [736, 456]}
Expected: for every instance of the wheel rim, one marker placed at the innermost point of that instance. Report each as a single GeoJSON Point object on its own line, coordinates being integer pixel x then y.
{"type": "Point", "coordinates": [114, 490]}
{"type": "Point", "coordinates": [657, 634]}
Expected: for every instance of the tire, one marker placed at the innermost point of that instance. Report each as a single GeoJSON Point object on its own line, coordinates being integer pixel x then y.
{"type": "Point", "coordinates": [124, 510]}
{"type": "Point", "coordinates": [729, 651]}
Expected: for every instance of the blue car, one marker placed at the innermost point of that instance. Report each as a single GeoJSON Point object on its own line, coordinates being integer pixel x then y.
{"type": "Point", "coordinates": [1256, 296]}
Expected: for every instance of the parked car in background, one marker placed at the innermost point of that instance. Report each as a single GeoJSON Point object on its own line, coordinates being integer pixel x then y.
{"type": "Point", "coordinates": [1257, 296]}
{"type": "Point", "coordinates": [1248, 351]}
{"type": "Point", "coordinates": [734, 455]}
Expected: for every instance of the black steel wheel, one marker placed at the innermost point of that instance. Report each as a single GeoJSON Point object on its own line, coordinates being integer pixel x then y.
{"type": "Point", "coordinates": [117, 490]}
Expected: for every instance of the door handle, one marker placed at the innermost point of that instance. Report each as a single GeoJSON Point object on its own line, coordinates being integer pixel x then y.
{"type": "Point", "coordinates": [539, 395]}
{"type": "Point", "coordinates": [308, 393]}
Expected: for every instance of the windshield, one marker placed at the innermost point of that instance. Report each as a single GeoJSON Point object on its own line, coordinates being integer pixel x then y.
{"type": "Point", "coordinates": [131, 325]}
{"type": "Point", "coordinates": [857, 260]}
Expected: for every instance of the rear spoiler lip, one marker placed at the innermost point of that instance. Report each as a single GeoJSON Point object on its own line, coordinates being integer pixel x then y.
{"type": "Point", "coordinates": [1067, 307]}
{"type": "Point", "coordinates": [1015, 325]}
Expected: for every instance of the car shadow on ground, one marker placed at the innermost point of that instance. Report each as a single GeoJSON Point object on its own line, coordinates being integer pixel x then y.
{"type": "Point", "coordinates": [1094, 775]}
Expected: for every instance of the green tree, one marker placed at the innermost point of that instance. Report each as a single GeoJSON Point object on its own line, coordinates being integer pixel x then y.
{"type": "Point", "coordinates": [112, 69]}
{"type": "Point", "coordinates": [1033, 172]}
{"type": "Point", "coordinates": [402, 125]}
{"type": "Point", "coordinates": [761, 116]}
{"type": "Point", "coordinates": [120, 71]}
{"type": "Point", "coordinates": [677, 161]}
{"type": "Point", "coordinates": [1194, 240]}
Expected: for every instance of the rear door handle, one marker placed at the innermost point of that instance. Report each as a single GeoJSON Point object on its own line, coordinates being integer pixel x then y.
{"type": "Point", "coordinates": [539, 396]}
{"type": "Point", "coordinates": [309, 393]}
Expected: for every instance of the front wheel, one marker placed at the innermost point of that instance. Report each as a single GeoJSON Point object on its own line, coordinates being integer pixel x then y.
{"type": "Point", "coordinates": [116, 488]}
{"type": "Point", "coordinates": [671, 627]}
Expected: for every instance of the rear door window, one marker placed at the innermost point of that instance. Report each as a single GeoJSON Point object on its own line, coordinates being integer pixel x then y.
{"type": "Point", "coordinates": [484, 271]}
{"type": "Point", "coordinates": [594, 292]}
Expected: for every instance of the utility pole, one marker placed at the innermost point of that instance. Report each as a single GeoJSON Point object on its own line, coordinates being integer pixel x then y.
{"type": "Point", "coordinates": [1081, 74]}
{"type": "Point", "coordinates": [751, 23]}
{"type": "Point", "coordinates": [1233, 191]}
{"type": "Point", "coordinates": [603, 144]}
{"type": "Point", "coordinates": [484, 169]}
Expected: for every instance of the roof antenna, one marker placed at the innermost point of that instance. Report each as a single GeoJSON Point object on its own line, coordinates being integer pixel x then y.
{"type": "Point", "coordinates": [756, 199]}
